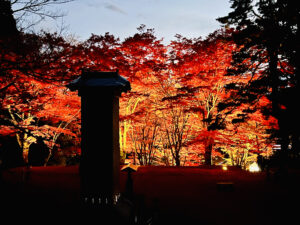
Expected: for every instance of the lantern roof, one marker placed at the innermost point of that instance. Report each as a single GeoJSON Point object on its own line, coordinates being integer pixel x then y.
{"type": "Point", "coordinates": [96, 79]}
{"type": "Point", "coordinates": [130, 167]}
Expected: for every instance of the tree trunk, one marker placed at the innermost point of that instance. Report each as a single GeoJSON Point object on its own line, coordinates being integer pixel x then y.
{"type": "Point", "coordinates": [25, 152]}
{"type": "Point", "coordinates": [273, 60]}
{"type": "Point", "coordinates": [177, 161]}
{"type": "Point", "coordinates": [296, 132]}
{"type": "Point", "coordinates": [8, 22]}
{"type": "Point", "coordinates": [276, 112]}
{"type": "Point", "coordinates": [208, 154]}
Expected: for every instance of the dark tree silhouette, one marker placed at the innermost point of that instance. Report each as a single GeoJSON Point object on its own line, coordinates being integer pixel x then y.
{"type": "Point", "coordinates": [267, 35]}
{"type": "Point", "coordinates": [8, 23]}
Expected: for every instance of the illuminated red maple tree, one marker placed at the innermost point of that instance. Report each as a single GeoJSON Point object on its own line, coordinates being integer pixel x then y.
{"type": "Point", "coordinates": [172, 115]}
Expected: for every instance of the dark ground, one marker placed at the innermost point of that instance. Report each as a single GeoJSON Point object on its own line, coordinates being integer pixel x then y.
{"type": "Point", "coordinates": [168, 195]}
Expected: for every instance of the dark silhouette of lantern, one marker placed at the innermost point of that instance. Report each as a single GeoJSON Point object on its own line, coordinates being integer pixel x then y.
{"type": "Point", "coordinates": [129, 182]}
{"type": "Point", "coordinates": [100, 151]}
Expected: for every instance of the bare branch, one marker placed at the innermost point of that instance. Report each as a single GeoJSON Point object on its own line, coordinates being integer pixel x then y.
{"type": "Point", "coordinates": [24, 11]}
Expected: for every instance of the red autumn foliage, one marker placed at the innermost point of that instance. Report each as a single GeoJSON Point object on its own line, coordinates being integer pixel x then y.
{"type": "Point", "coordinates": [171, 116]}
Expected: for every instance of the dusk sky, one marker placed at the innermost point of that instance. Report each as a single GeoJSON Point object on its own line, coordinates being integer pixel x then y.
{"type": "Point", "coordinates": [190, 18]}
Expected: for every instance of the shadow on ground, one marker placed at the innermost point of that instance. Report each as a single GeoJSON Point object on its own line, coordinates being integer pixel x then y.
{"type": "Point", "coordinates": [163, 195]}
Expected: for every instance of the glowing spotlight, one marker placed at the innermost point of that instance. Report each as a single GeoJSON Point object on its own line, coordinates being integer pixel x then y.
{"type": "Point", "coordinates": [224, 167]}
{"type": "Point", "coordinates": [254, 167]}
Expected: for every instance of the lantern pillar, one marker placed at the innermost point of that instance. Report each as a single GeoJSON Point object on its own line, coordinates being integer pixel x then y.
{"type": "Point", "coordinates": [99, 167]}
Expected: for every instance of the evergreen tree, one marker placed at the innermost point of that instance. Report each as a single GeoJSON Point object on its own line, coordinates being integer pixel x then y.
{"type": "Point", "coordinates": [267, 35]}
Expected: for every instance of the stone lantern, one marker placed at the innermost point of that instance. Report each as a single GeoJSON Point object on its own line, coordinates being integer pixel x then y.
{"type": "Point", "coordinates": [100, 151]}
